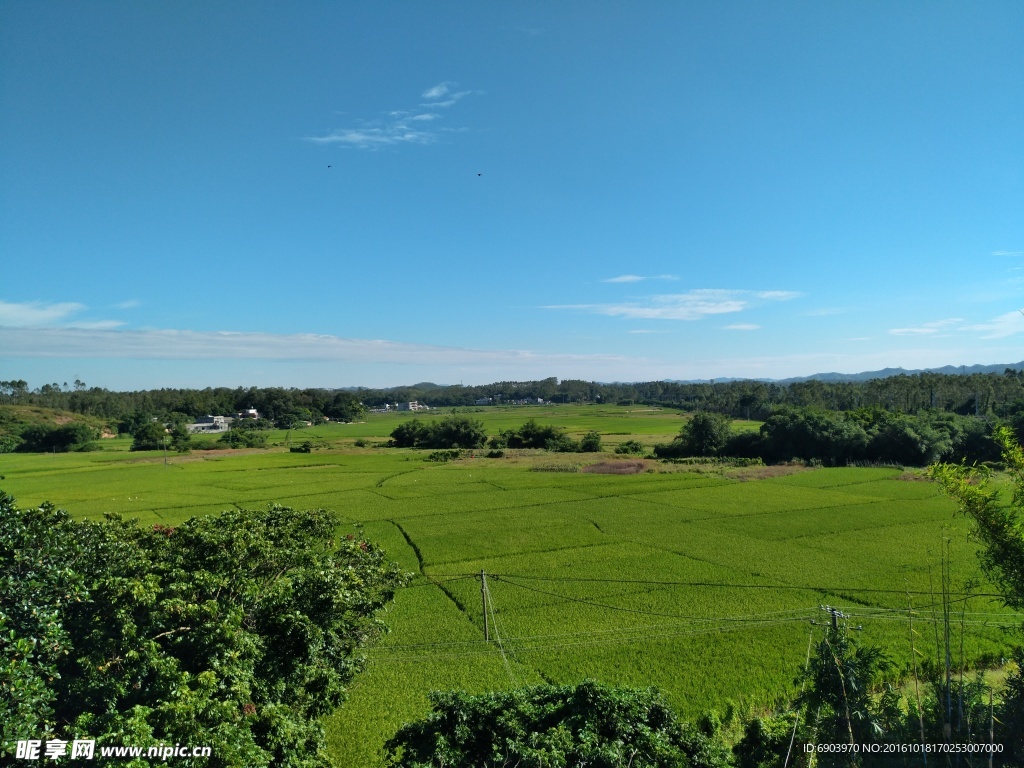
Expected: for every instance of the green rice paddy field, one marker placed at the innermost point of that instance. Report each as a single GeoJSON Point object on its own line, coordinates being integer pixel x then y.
{"type": "Point", "coordinates": [702, 581]}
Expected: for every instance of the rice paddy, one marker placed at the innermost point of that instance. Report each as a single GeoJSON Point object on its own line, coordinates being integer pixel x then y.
{"type": "Point", "coordinates": [698, 580]}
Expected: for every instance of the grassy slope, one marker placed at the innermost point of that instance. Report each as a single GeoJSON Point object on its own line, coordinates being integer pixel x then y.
{"type": "Point", "coordinates": [14, 417]}
{"type": "Point", "coordinates": [766, 553]}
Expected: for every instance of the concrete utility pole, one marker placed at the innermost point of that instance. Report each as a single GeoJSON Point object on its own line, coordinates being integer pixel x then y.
{"type": "Point", "coordinates": [483, 600]}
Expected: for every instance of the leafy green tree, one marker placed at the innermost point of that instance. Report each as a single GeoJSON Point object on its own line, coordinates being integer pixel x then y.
{"type": "Point", "coordinates": [75, 436]}
{"type": "Point", "coordinates": [534, 435]}
{"type": "Point", "coordinates": [998, 522]}
{"type": "Point", "coordinates": [409, 434]}
{"type": "Point", "coordinates": [181, 438]}
{"type": "Point", "coordinates": [591, 443]}
{"type": "Point", "coordinates": [449, 432]}
{"type": "Point", "coordinates": [149, 436]}
{"type": "Point", "coordinates": [244, 438]}
{"type": "Point", "coordinates": [838, 696]}
{"type": "Point", "coordinates": [457, 432]}
{"type": "Point", "coordinates": [563, 727]}
{"type": "Point", "coordinates": [239, 632]}
{"type": "Point", "coordinates": [812, 434]}
{"type": "Point", "coordinates": [705, 434]}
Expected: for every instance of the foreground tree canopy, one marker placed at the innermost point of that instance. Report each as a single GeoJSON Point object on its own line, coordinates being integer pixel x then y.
{"type": "Point", "coordinates": [587, 725]}
{"type": "Point", "coordinates": [236, 632]}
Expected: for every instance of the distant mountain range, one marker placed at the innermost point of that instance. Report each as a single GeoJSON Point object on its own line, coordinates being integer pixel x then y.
{"type": "Point", "coordinates": [885, 373]}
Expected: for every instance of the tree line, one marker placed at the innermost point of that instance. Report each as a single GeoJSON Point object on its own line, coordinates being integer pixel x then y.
{"type": "Point", "coordinates": [841, 438]}
{"type": "Point", "coordinates": [973, 394]}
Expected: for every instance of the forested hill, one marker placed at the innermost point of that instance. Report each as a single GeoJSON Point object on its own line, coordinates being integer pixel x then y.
{"type": "Point", "coordinates": [998, 394]}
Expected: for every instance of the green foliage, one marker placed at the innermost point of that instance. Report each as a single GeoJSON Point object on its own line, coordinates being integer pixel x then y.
{"type": "Point", "coordinates": [998, 523]}
{"type": "Point", "coordinates": [305, 447]}
{"type": "Point", "coordinates": [765, 742]}
{"type": "Point", "coordinates": [591, 442]}
{"type": "Point", "coordinates": [705, 434]}
{"type": "Point", "coordinates": [238, 632]}
{"type": "Point", "coordinates": [838, 696]}
{"type": "Point", "coordinates": [237, 437]}
{"type": "Point", "coordinates": [563, 727]}
{"type": "Point", "coordinates": [449, 432]}
{"type": "Point", "coordinates": [444, 456]}
{"type": "Point", "coordinates": [75, 436]}
{"type": "Point", "coordinates": [562, 444]}
{"type": "Point", "coordinates": [631, 448]}
{"type": "Point", "coordinates": [149, 436]}
{"type": "Point", "coordinates": [533, 435]}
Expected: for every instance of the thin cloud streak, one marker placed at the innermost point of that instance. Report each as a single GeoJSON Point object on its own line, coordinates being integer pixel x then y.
{"type": "Point", "coordinates": [638, 278]}
{"type": "Point", "coordinates": [31, 314]}
{"type": "Point", "coordinates": [158, 344]}
{"type": "Point", "coordinates": [692, 305]}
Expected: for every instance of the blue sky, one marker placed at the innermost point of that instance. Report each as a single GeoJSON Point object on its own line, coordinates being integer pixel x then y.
{"type": "Point", "coordinates": [333, 194]}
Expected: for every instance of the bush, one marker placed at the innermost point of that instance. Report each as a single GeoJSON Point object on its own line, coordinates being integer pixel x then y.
{"type": "Point", "coordinates": [449, 432]}
{"type": "Point", "coordinates": [243, 438]}
{"type": "Point", "coordinates": [306, 447]}
{"type": "Point", "coordinates": [589, 724]}
{"type": "Point", "coordinates": [591, 443]}
{"type": "Point", "coordinates": [631, 447]}
{"type": "Point", "coordinates": [443, 456]}
{"type": "Point", "coordinates": [562, 444]}
{"type": "Point", "coordinates": [362, 443]}
{"type": "Point", "coordinates": [42, 438]}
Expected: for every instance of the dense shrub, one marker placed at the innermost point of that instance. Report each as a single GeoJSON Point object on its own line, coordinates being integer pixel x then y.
{"type": "Point", "coordinates": [244, 438]}
{"type": "Point", "coordinates": [449, 432]}
{"type": "Point", "coordinates": [38, 438]}
{"type": "Point", "coordinates": [590, 443]}
{"type": "Point", "coordinates": [631, 447]}
{"type": "Point", "coordinates": [590, 724]}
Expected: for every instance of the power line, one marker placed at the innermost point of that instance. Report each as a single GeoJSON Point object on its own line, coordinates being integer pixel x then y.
{"type": "Point", "coordinates": [727, 585]}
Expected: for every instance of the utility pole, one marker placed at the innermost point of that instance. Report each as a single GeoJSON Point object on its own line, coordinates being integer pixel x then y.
{"type": "Point", "coordinates": [483, 600]}
{"type": "Point", "coordinates": [836, 615]}
{"type": "Point", "coordinates": [165, 450]}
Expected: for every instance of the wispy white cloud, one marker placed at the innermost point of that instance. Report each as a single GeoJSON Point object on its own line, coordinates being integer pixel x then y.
{"type": "Point", "coordinates": [1008, 324]}
{"type": "Point", "coordinates": [157, 344]}
{"type": "Point", "coordinates": [928, 329]}
{"type": "Point", "coordinates": [95, 325]}
{"type": "Point", "coordinates": [436, 92]}
{"type": "Point", "coordinates": [1008, 253]}
{"type": "Point", "coordinates": [741, 327]}
{"type": "Point", "coordinates": [129, 304]}
{"type": "Point", "coordinates": [824, 312]}
{"type": "Point", "coordinates": [692, 305]}
{"type": "Point", "coordinates": [375, 137]}
{"type": "Point", "coordinates": [36, 313]}
{"type": "Point", "coordinates": [778, 295]}
{"type": "Point", "coordinates": [638, 278]}
{"type": "Point", "coordinates": [399, 126]}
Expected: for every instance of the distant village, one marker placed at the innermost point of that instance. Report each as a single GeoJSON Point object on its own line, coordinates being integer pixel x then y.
{"type": "Point", "coordinates": [215, 424]}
